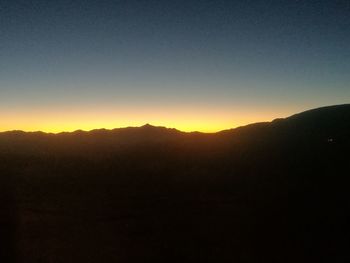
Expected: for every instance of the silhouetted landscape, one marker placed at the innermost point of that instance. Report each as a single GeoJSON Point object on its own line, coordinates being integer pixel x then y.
{"type": "Point", "coordinates": [266, 192]}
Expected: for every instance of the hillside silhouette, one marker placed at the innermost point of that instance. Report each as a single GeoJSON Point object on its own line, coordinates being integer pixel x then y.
{"type": "Point", "coordinates": [266, 192]}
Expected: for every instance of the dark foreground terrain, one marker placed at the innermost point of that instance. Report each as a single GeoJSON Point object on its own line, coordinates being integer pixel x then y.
{"type": "Point", "coordinates": [266, 192]}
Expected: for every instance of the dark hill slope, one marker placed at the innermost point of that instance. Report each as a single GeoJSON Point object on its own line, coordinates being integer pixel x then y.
{"type": "Point", "coordinates": [325, 122]}
{"type": "Point", "coordinates": [266, 192]}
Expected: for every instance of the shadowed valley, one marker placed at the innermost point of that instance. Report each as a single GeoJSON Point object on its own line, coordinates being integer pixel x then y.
{"type": "Point", "coordinates": [266, 192]}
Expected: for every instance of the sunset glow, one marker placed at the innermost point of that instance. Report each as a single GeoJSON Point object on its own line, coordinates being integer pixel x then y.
{"type": "Point", "coordinates": [184, 120]}
{"type": "Point", "coordinates": [190, 65]}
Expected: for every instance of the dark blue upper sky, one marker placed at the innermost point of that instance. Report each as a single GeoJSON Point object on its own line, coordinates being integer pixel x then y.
{"type": "Point", "coordinates": [231, 57]}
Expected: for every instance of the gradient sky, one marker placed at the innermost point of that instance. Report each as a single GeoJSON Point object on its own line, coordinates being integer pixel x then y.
{"type": "Point", "coordinates": [192, 65]}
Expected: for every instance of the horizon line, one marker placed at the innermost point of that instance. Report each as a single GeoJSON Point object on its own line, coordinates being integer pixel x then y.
{"type": "Point", "coordinates": [118, 128]}
{"type": "Point", "coordinates": [147, 124]}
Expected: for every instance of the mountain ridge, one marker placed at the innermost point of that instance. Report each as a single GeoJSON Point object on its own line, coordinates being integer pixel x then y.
{"type": "Point", "coordinates": [266, 192]}
{"type": "Point", "coordinates": [326, 111]}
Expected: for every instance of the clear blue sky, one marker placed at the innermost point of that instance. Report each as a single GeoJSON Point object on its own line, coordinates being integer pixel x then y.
{"type": "Point", "coordinates": [194, 65]}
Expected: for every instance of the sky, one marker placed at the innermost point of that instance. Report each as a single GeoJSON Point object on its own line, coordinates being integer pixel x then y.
{"type": "Point", "coordinates": [191, 65]}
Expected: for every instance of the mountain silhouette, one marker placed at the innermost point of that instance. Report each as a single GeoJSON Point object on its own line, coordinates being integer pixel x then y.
{"type": "Point", "coordinates": [321, 121]}
{"type": "Point", "coordinates": [266, 192]}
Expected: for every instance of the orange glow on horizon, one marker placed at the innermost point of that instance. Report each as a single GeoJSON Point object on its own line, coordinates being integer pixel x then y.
{"type": "Point", "coordinates": [187, 120]}
{"type": "Point", "coordinates": [69, 125]}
